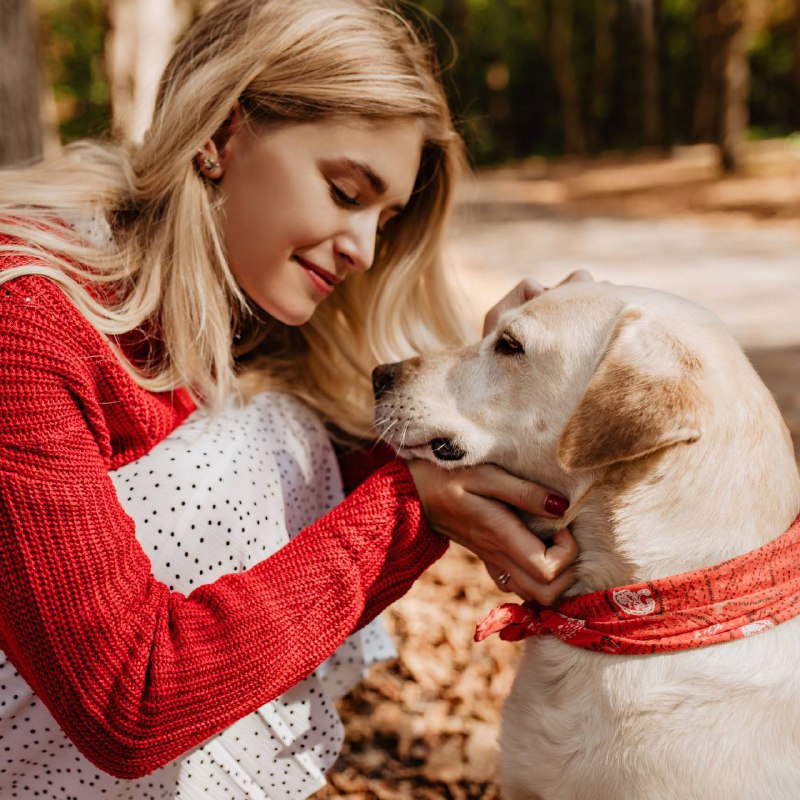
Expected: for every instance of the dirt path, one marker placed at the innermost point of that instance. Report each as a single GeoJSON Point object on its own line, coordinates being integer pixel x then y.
{"type": "Point", "coordinates": [425, 725]}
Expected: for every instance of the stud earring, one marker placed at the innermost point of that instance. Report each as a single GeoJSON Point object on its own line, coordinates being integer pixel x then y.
{"type": "Point", "coordinates": [207, 164]}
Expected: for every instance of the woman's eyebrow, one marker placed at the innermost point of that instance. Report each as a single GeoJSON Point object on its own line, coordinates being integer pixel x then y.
{"type": "Point", "coordinates": [377, 183]}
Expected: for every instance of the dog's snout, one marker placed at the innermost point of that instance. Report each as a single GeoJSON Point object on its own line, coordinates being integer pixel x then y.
{"type": "Point", "coordinates": [383, 376]}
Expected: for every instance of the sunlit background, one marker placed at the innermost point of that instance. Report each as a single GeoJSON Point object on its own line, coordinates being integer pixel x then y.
{"type": "Point", "coordinates": [525, 77]}
{"type": "Point", "coordinates": [652, 142]}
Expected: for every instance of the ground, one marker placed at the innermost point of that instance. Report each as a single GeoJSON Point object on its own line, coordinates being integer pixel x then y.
{"type": "Point", "coordinates": [424, 726]}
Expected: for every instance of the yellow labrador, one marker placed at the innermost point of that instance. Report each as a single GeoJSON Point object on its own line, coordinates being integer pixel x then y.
{"type": "Point", "coordinates": [640, 408]}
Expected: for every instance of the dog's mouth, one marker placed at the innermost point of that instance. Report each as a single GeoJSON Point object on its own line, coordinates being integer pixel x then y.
{"type": "Point", "coordinates": [445, 449]}
{"type": "Point", "coordinates": [442, 448]}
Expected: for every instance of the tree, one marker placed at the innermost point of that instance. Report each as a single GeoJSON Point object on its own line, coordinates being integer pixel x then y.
{"type": "Point", "coordinates": [603, 63]}
{"type": "Point", "coordinates": [796, 70]}
{"type": "Point", "coordinates": [648, 13]}
{"type": "Point", "coordinates": [561, 57]}
{"type": "Point", "coordinates": [721, 112]}
{"type": "Point", "coordinates": [736, 76]}
{"type": "Point", "coordinates": [21, 128]}
{"type": "Point", "coordinates": [140, 41]}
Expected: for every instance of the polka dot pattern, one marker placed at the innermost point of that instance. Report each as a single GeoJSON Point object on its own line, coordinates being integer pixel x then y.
{"type": "Point", "coordinates": [215, 497]}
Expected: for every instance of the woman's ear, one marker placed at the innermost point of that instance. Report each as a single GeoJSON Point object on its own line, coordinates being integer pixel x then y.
{"type": "Point", "coordinates": [213, 155]}
{"type": "Point", "coordinates": [643, 397]}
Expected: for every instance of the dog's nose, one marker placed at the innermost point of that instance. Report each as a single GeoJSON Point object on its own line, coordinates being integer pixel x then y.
{"type": "Point", "coordinates": [383, 377]}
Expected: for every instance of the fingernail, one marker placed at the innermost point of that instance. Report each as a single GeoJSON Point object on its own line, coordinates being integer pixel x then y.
{"type": "Point", "coordinates": [556, 505]}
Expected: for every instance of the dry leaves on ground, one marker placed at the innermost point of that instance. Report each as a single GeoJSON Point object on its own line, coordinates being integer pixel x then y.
{"type": "Point", "coordinates": [424, 726]}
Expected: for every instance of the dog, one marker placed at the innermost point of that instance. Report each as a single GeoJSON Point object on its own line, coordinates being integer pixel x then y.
{"type": "Point", "coordinates": [640, 408]}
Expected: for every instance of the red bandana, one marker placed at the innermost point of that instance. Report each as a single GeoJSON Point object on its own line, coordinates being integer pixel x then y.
{"type": "Point", "coordinates": [737, 598]}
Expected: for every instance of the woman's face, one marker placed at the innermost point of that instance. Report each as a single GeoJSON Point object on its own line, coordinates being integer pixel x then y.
{"type": "Point", "coordinates": [303, 204]}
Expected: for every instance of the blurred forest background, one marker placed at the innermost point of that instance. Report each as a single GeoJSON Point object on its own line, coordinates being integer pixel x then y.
{"type": "Point", "coordinates": [526, 77]}
{"type": "Point", "coordinates": [650, 141]}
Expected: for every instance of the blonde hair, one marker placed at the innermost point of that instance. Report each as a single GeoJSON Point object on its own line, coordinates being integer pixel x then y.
{"type": "Point", "coordinates": [282, 60]}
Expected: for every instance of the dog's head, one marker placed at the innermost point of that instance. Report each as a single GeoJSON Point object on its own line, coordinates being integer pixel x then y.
{"type": "Point", "coordinates": [584, 376]}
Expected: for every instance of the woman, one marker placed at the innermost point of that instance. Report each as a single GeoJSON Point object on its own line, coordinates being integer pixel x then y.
{"type": "Point", "coordinates": [280, 226]}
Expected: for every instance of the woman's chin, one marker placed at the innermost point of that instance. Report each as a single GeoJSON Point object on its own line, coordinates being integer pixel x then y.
{"type": "Point", "coordinates": [290, 314]}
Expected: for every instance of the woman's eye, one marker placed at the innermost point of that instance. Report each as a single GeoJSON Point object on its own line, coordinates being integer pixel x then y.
{"type": "Point", "coordinates": [342, 197]}
{"type": "Point", "coordinates": [507, 345]}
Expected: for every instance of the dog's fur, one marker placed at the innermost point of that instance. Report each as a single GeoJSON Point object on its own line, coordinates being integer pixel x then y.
{"type": "Point", "coordinates": [640, 408]}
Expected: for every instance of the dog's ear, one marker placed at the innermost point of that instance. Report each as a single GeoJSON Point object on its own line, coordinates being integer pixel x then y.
{"type": "Point", "coordinates": [642, 398]}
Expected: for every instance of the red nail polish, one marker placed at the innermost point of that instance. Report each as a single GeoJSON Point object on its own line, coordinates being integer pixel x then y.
{"type": "Point", "coordinates": [556, 505]}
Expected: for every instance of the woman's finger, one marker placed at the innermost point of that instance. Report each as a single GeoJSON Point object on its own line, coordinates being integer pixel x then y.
{"type": "Point", "coordinates": [489, 481]}
{"type": "Point", "coordinates": [577, 276]}
{"type": "Point", "coordinates": [545, 594]}
{"type": "Point", "coordinates": [497, 535]}
{"type": "Point", "coordinates": [500, 576]}
{"type": "Point", "coordinates": [525, 290]}
{"type": "Point", "coordinates": [513, 580]}
{"type": "Point", "coordinates": [552, 571]}
{"type": "Point", "coordinates": [532, 557]}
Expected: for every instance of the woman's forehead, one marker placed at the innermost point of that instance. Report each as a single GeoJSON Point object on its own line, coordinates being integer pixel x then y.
{"type": "Point", "coordinates": [386, 153]}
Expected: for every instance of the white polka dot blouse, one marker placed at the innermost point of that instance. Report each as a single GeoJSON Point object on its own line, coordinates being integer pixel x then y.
{"type": "Point", "coordinates": [216, 496]}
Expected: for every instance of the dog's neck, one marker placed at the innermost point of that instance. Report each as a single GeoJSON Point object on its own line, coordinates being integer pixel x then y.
{"type": "Point", "coordinates": [688, 507]}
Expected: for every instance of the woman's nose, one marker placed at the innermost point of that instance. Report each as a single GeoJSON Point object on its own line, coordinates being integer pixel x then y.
{"type": "Point", "coordinates": [357, 244]}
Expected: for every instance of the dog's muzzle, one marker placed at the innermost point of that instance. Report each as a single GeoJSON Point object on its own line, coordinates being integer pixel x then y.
{"type": "Point", "coordinates": [383, 377]}
{"type": "Point", "coordinates": [383, 380]}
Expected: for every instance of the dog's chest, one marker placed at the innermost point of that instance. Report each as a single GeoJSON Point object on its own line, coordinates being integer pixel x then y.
{"type": "Point", "coordinates": [635, 721]}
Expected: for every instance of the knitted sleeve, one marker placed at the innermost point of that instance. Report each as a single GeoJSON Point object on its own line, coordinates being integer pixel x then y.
{"type": "Point", "coordinates": [134, 674]}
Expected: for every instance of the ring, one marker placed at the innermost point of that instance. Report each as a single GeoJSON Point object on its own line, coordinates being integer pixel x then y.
{"type": "Point", "coordinates": [503, 578]}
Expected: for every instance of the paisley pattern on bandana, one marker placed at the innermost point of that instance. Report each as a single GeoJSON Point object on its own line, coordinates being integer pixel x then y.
{"type": "Point", "coordinates": [741, 597]}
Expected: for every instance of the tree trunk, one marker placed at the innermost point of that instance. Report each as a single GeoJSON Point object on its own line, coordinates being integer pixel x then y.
{"type": "Point", "coordinates": [736, 85]}
{"type": "Point", "coordinates": [796, 73]}
{"type": "Point", "coordinates": [565, 78]}
{"type": "Point", "coordinates": [705, 123]}
{"type": "Point", "coordinates": [140, 42]}
{"type": "Point", "coordinates": [603, 67]}
{"type": "Point", "coordinates": [21, 128]}
{"type": "Point", "coordinates": [721, 113]}
{"type": "Point", "coordinates": [647, 15]}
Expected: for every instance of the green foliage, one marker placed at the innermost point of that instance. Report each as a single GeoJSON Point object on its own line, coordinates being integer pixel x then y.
{"type": "Point", "coordinates": [773, 106]}
{"type": "Point", "coordinates": [504, 93]}
{"type": "Point", "coordinates": [498, 72]}
{"type": "Point", "coordinates": [72, 35]}
{"type": "Point", "coordinates": [680, 60]}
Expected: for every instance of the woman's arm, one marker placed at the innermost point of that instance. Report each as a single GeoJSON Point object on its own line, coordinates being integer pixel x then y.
{"type": "Point", "coordinates": [473, 506]}
{"type": "Point", "coordinates": [134, 674]}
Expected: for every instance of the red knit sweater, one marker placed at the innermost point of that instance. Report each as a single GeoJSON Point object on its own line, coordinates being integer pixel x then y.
{"type": "Point", "coordinates": [134, 674]}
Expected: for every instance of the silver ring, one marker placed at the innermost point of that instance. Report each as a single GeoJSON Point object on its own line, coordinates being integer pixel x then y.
{"type": "Point", "coordinates": [503, 578]}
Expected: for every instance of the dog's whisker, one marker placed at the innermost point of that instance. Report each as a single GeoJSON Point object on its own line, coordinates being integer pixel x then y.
{"type": "Point", "coordinates": [388, 427]}
{"type": "Point", "coordinates": [405, 433]}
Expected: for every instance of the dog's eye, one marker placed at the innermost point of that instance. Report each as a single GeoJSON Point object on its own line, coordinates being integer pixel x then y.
{"type": "Point", "coordinates": [507, 345]}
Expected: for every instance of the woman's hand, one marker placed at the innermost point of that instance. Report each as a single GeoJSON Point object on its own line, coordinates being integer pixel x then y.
{"type": "Point", "coordinates": [525, 290]}
{"type": "Point", "coordinates": [470, 506]}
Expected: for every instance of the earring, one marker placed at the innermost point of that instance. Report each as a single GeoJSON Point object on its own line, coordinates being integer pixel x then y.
{"type": "Point", "coordinates": [207, 164]}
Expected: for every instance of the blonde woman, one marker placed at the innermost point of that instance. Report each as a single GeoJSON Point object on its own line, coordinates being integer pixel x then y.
{"type": "Point", "coordinates": [279, 228]}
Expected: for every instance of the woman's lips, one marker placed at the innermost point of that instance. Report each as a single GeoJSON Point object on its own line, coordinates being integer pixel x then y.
{"type": "Point", "coordinates": [323, 280]}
